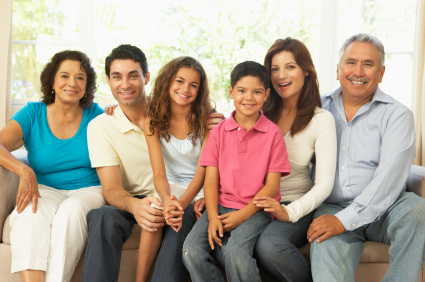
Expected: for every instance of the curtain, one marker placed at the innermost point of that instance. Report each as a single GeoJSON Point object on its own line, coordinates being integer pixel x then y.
{"type": "Point", "coordinates": [420, 89]}
{"type": "Point", "coordinates": [5, 60]}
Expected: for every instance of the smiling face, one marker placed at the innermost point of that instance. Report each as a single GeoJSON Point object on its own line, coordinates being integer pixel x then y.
{"type": "Point", "coordinates": [248, 95]}
{"type": "Point", "coordinates": [359, 72]}
{"type": "Point", "coordinates": [184, 87]}
{"type": "Point", "coordinates": [70, 82]}
{"type": "Point", "coordinates": [286, 76]}
{"type": "Point", "coordinates": [127, 82]}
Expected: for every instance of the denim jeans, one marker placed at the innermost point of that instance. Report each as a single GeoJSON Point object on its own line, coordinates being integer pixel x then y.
{"type": "Point", "coordinates": [402, 227]}
{"type": "Point", "coordinates": [235, 254]}
{"type": "Point", "coordinates": [277, 251]}
{"type": "Point", "coordinates": [110, 227]}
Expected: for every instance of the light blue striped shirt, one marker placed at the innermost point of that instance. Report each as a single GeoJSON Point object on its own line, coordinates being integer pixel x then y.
{"type": "Point", "coordinates": [375, 152]}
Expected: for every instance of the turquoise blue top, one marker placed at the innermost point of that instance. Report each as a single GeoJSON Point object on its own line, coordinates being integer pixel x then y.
{"type": "Point", "coordinates": [62, 164]}
{"type": "Point", "coordinates": [180, 158]}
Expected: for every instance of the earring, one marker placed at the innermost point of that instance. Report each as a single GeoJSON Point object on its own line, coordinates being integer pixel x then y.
{"type": "Point", "coordinates": [307, 74]}
{"type": "Point", "coordinates": [53, 91]}
{"type": "Point", "coordinates": [85, 95]}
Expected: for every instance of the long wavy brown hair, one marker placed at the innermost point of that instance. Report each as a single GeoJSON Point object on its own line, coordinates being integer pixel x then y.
{"type": "Point", "coordinates": [159, 109]}
{"type": "Point", "coordinates": [309, 97]}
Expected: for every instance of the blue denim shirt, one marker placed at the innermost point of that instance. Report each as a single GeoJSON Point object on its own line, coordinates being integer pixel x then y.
{"type": "Point", "coordinates": [375, 152]}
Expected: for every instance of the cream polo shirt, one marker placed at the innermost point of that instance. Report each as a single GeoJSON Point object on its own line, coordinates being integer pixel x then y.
{"type": "Point", "coordinates": [114, 140]}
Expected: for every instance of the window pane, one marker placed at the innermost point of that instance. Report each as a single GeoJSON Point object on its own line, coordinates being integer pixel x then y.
{"type": "Point", "coordinates": [218, 33]}
{"type": "Point", "coordinates": [393, 22]}
{"type": "Point", "coordinates": [40, 29]}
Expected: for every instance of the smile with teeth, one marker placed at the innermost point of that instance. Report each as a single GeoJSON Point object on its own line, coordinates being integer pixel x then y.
{"type": "Point", "coordinates": [358, 82]}
{"type": "Point", "coordinates": [71, 92]}
{"type": "Point", "coordinates": [126, 93]}
{"type": "Point", "coordinates": [249, 106]}
{"type": "Point", "coordinates": [181, 95]}
{"type": "Point", "coordinates": [285, 84]}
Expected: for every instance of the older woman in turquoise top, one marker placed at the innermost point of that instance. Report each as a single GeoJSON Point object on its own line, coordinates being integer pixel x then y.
{"type": "Point", "coordinates": [59, 188]}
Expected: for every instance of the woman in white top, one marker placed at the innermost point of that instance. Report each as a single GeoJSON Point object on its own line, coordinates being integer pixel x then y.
{"type": "Point", "coordinates": [294, 105]}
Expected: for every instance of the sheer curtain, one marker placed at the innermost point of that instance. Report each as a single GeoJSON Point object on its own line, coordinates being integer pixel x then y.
{"type": "Point", "coordinates": [420, 88]}
{"type": "Point", "coordinates": [5, 60]}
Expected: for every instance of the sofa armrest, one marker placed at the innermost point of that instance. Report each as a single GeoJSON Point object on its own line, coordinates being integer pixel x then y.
{"type": "Point", "coordinates": [416, 181]}
{"type": "Point", "coordinates": [9, 183]}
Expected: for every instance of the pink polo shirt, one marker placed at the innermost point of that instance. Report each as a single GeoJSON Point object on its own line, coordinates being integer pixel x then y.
{"type": "Point", "coordinates": [244, 159]}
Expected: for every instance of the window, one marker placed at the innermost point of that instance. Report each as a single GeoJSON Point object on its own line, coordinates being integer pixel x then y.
{"type": "Point", "coordinates": [218, 33]}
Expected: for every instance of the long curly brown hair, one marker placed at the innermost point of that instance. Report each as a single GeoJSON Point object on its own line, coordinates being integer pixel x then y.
{"type": "Point", "coordinates": [309, 98]}
{"type": "Point", "coordinates": [159, 109]}
{"type": "Point", "coordinates": [47, 76]}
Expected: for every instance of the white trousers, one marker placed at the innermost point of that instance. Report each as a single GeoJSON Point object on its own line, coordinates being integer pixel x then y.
{"type": "Point", "coordinates": [53, 239]}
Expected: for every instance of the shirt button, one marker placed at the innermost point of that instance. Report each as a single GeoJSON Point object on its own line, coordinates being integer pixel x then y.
{"type": "Point", "coordinates": [343, 148]}
{"type": "Point", "coordinates": [346, 127]}
{"type": "Point", "coordinates": [343, 167]}
{"type": "Point", "coordinates": [354, 225]}
{"type": "Point", "coordinates": [343, 187]}
{"type": "Point", "coordinates": [239, 128]}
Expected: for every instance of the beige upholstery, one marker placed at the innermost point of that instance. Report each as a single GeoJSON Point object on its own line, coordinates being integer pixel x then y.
{"type": "Point", "coordinates": [373, 263]}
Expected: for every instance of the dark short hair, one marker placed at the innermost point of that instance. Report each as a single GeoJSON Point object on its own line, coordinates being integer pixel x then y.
{"type": "Point", "coordinates": [47, 76]}
{"type": "Point", "coordinates": [250, 68]}
{"type": "Point", "coordinates": [126, 52]}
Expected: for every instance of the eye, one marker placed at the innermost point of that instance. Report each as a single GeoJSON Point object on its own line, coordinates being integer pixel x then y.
{"type": "Point", "coordinates": [194, 86]}
{"type": "Point", "coordinates": [116, 77]}
{"type": "Point", "coordinates": [179, 81]}
{"type": "Point", "coordinates": [64, 76]}
{"type": "Point", "coordinates": [291, 67]}
{"type": "Point", "coordinates": [80, 78]}
{"type": "Point", "coordinates": [274, 69]}
{"type": "Point", "coordinates": [241, 91]}
{"type": "Point", "coordinates": [257, 92]}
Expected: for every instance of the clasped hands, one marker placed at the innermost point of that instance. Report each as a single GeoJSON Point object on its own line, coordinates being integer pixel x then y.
{"type": "Point", "coordinates": [223, 223]}
{"type": "Point", "coordinates": [174, 210]}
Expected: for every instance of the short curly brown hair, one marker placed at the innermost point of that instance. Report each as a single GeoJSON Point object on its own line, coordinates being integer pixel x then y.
{"type": "Point", "coordinates": [47, 76]}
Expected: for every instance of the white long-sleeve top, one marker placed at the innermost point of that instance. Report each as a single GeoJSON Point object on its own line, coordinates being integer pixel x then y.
{"type": "Point", "coordinates": [319, 139]}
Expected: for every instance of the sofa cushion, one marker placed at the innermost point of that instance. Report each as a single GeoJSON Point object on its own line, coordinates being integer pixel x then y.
{"type": "Point", "coordinates": [373, 252]}
{"type": "Point", "coordinates": [6, 231]}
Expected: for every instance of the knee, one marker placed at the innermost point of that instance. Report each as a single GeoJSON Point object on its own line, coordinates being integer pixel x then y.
{"type": "Point", "coordinates": [192, 252]}
{"type": "Point", "coordinates": [102, 218]}
{"type": "Point", "coordinates": [264, 248]}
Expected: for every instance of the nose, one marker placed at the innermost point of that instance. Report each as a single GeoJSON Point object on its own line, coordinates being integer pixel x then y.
{"type": "Point", "coordinates": [358, 69]}
{"type": "Point", "coordinates": [71, 82]}
{"type": "Point", "coordinates": [125, 83]}
{"type": "Point", "coordinates": [282, 73]}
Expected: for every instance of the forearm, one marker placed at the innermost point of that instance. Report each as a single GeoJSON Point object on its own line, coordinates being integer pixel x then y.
{"type": "Point", "coordinates": [162, 187]}
{"type": "Point", "coordinates": [119, 198]}
{"type": "Point", "coordinates": [211, 201]}
{"type": "Point", "coordinates": [269, 190]}
{"type": "Point", "coordinates": [193, 188]}
{"type": "Point", "coordinates": [8, 161]}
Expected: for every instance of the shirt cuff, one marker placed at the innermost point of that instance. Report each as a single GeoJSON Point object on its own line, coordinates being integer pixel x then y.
{"type": "Point", "coordinates": [349, 218]}
{"type": "Point", "coordinates": [290, 214]}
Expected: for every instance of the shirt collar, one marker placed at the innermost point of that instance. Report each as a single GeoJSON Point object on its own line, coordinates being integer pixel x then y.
{"type": "Point", "coordinates": [379, 96]}
{"type": "Point", "coordinates": [124, 124]}
{"type": "Point", "coordinates": [260, 125]}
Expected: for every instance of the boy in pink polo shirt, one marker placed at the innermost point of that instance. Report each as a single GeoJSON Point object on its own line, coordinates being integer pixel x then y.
{"type": "Point", "coordinates": [245, 157]}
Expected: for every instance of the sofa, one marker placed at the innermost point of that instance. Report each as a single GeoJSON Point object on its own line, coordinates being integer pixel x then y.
{"type": "Point", "coordinates": [373, 263]}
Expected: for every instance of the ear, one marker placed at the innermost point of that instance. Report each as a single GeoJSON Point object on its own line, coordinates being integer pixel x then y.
{"type": "Point", "coordinates": [108, 80]}
{"type": "Point", "coordinates": [147, 77]}
{"type": "Point", "coordinates": [230, 92]}
{"type": "Point", "coordinates": [267, 94]}
{"type": "Point", "coordinates": [381, 75]}
{"type": "Point", "coordinates": [337, 71]}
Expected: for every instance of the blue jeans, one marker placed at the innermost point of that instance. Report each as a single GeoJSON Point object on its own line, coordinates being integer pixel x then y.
{"type": "Point", "coordinates": [277, 251]}
{"type": "Point", "coordinates": [402, 227]}
{"type": "Point", "coordinates": [235, 254]}
{"type": "Point", "coordinates": [110, 227]}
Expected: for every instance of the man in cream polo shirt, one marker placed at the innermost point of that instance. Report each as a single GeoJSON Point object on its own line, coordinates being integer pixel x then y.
{"type": "Point", "coordinates": [118, 150]}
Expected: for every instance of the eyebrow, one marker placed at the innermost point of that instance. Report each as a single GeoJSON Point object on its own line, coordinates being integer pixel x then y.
{"type": "Point", "coordinates": [77, 74]}
{"type": "Point", "coordinates": [185, 79]}
{"type": "Point", "coordinates": [287, 64]}
{"type": "Point", "coordinates": [356, 60]}
{"type": "Point", "coordinates": [241, 87]}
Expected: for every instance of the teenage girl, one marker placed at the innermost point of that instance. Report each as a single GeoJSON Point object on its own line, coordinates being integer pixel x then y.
{"type": "Point", "coordinates": [176, 135]}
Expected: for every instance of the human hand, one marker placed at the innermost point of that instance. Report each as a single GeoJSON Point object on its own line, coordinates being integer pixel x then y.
{"type": "Point", "coordinates": [215, 119]}
{"type": "Point", "coordinates": [173, 213]}
{"type": "Point", "coordinates": [109, 109]}
{"type": "Point", "coordinates": [198, 208]}
{"type": "Point", "coordinates": [324, 226]}
{"type": "Point", "coordinates": [27, 190]}
{"type": "Point", "coordinates": [147, 217]}
{"type": "Point", "coordinates": [214, 226]}
{"type": "Point", "coordinates": [231, 220]}
{"type": "Point", "coordinates": [272, 206]}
